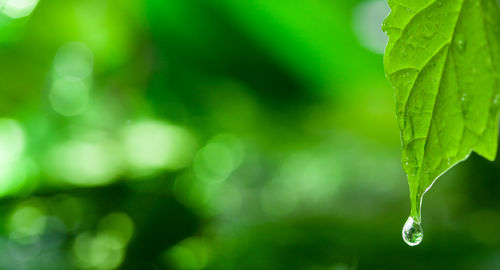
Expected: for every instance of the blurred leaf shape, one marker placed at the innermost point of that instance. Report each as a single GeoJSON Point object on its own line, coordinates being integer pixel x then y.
{"type": "Point", "coordinates": [69, 96]}
{"type": "Point", "coordinates": [17, 8]}
{"type": "Point", "coordinates": [151, 145]}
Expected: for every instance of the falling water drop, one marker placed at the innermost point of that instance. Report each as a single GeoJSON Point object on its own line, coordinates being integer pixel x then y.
{"type": "Point", "coordinates": [412, 232]}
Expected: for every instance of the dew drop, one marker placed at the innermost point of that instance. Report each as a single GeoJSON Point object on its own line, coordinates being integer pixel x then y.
{"type": "Point", "coordinates": [496, 98]}
{"type": "Point", "coordinates": [463, 96]}
{"type": "Point", "coordinates": [461, 44]}
{"type": "Point", "coordinates": [412, 232]}
{"type": "Point", "coordinates": [384, 26]}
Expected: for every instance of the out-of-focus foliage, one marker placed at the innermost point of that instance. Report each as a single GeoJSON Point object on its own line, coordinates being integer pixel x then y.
{"type": "Point", "coordinates": [196, 134]}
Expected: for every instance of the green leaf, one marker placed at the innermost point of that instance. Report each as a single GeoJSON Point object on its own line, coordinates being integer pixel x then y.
{"type": "Point", "coordinates": [443, 58]}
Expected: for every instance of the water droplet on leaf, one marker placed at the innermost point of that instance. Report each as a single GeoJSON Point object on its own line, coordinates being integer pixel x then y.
{"type": "Point", "coordinates": [384, 26]}
{"type": "Point", "coordinates": [412, 232]}
{"type": "Point", "coordinates": [461, 44]}
{"type": "Point", "coordinates": [496, 98]}
{"type": "Point", "coordinates": [463, 96]}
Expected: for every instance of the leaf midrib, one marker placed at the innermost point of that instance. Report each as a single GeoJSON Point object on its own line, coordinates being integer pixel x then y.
{"type": "Point", "coordinates": [449, 43]}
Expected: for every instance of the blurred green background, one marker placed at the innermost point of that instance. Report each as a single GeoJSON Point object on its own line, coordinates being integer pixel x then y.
{"type": "Point", "coordinates": [216, 134]}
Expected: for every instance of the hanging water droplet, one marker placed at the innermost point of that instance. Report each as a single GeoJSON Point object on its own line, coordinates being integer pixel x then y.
{"type": "Point", "coordinates": [412, 232]}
